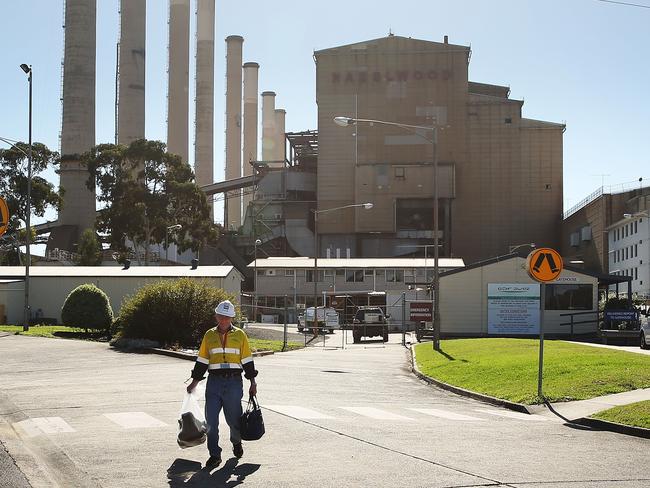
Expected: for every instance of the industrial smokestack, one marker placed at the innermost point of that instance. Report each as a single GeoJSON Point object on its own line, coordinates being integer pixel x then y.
{"type": "Point", "coordinates": [133, 20]}
{"type": "Point", "coordinates": [204, 139]}
{"type": "Point", "coordinates": [179, 76]}
{"type": "Point", "coordinates": [268, 126]}
{"type": "Point", "coordinates": [251, 72]}
{"type": "Point", "coordinates": [78, 128]}
{"type": "Point", "coordinates": [232, 207]}
{"type": "Point", "coordinates": [280, 117]}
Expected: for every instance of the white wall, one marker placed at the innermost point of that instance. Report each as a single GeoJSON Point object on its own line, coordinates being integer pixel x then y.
{"type": "Point", "coordinates": [463, 298]}
{"type": "Point", "coordinates": [49, 293]}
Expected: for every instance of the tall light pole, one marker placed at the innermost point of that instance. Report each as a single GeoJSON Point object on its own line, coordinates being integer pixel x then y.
{"type": "Point", "coordinates": [347, 121]}
{"type": "Point", "coordinates": [28, 229]}
{"type": "Point", "coordinates": [257, 243]}
{"type": "Point", "coordinates": [366, 206]}
{"type": "Point", "coordinates": [170, 228]}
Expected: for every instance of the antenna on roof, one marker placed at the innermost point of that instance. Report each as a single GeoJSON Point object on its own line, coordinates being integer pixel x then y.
{"type": "Point", "coordinates": [390, 32]}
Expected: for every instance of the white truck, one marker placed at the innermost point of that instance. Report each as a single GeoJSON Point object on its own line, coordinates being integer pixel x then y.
{"type": "Point", "coordinates": [328, 319]}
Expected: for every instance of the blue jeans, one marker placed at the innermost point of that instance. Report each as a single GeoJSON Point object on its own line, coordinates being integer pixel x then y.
{"type": "Point", "coordinates": [223, 392]}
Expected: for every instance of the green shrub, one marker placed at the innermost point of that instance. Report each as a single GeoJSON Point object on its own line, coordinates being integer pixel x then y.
{"type": "Point", "coordinates": [87, 307]}
{"type": "Point", "coordinates": [171, 312]}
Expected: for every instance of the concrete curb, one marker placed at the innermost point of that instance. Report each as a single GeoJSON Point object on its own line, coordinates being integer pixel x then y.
{"type": "Point", "coordinates": [192, 357]}
{"type": "Point", "coordinates": [517, 407]}
{"type": "Point", "coordinates": [613, 427]}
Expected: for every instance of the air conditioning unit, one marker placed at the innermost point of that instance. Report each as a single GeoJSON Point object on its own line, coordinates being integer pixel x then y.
{"type": "Point", "coordinates": [585, 233]}
{"type": "Point", "coordinates": [277, 216]}
{"type": "Point", "coordinates": [574, 239]}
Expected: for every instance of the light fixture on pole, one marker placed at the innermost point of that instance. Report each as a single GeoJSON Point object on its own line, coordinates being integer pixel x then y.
{"type": "Point", "coordinates": [348, 121]}
{"type": "Point", "coordinates": [512, 249]}
{"type": "Point", "coordinates": [366, 206]}
{"type": "Point", "coordinates": [170, 228]}
{"type": "Point", "coordinates": [28, 229]}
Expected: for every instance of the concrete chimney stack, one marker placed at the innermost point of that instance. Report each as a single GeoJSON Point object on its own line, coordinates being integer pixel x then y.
{"type": "Point", "coordinates": [179, 77]}
{"type": "Point", "coordinates": [204, 138]}
{"type": "Point", "coordinates": [280, 118]}
{"type": "Point", "coordinates": [130, 111]}
{"type": "Point", "coordinates": [232, 207]}
{"type": "Point", "coordinates": [268, 126]}
{"type": "Point", "coordinates": [251, 72]}
{"type": "Point", "coordinates": [78, 128]}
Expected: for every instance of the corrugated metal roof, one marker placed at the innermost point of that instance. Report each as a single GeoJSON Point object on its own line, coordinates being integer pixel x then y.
{"type": "Point", "coordinates": [301, 262]}
{"type": "Point", "coordinates": [7, 272]}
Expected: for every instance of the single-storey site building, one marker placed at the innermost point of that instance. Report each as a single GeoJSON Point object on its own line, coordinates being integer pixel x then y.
{"type": "Point", "coordinates": [50, 285]}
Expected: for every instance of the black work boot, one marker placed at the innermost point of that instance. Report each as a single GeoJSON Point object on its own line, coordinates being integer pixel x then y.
{"type": "Point", "coordinates": [237, 450]}
{"type": "Point", "coordinates": [213, 462]}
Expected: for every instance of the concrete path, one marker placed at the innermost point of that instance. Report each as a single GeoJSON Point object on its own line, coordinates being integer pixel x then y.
{"type": "Point", "coordinates": [79, 414]}
{"type": "Point", "coordinates": [585, 408]}
{"type": "Point", "coordinates": [634, 349]}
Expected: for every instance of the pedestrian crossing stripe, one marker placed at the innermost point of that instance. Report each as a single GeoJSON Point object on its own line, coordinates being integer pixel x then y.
{"type": "Point", "coordinates": [134, 420]}
{"type": "Point", "coordinates": [298, 412]}
{"type": "Point", "coordinates": [43, 425]}
{"type": "Point", "coordinates": [375, 413]}
{"type": "Point", "coordinates": [445, 414]}
{"type": "Point", "coordinates": [511, 415]}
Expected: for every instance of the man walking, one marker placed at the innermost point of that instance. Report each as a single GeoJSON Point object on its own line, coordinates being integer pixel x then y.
{"type": "Point", "coordinates": [224, 353]}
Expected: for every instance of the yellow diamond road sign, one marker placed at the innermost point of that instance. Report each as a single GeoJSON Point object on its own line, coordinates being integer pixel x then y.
{"type": "Point", "coordinates": [4, 216]}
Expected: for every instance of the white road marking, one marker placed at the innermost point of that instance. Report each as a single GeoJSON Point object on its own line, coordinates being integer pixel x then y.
{"type": "Point", "coordinates": [298, 412]}
{"type": "Point", "coordinates": [512, 415]}
{"type": "Point", "coordinates": [375, 413]}
{"type": "Point", "coordinates": [134, 420]}
{"type": "Point", "coordinates": [43, 425]}
{"type": "Point", "coordinates": [434, 412]}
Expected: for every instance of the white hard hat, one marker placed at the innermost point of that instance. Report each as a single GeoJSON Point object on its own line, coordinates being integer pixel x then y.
{"type": "Point", "coordinates": [225, 308]}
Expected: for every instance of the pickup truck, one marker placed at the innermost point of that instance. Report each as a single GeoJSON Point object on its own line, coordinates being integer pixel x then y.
{"type": "Point", "coordinates": [328, 319]}
{"type": "Point", "coordinates": [369, 322]}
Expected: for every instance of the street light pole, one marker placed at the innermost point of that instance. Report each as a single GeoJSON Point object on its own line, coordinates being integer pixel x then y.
{"type": "Point", "coordinates": [347, 121]}
{"type": "Point", "coordinates": [28, 229]}
{"type": "Point", "coordinates": [366, 206]}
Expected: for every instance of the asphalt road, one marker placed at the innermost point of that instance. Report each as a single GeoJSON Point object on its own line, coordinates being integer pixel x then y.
{"type": "Point", "coordinates": [77, 413]}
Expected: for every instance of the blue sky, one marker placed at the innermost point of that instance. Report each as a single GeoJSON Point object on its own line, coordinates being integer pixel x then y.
{"type": "Point", "coordinates": [581, 62]}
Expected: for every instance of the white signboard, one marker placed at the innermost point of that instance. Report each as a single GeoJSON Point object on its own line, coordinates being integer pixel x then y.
{"type": "Point", "coordinates": [513, 308]}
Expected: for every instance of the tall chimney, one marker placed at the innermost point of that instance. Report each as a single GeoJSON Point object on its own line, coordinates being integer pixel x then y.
{"type": "Point", "coordinates": [268, 126]}
{"type": "Point", "coordinates": [133, 20]}
{"type": "Point", "coordinates": [204, 142]}
{"type": "Point", "coordinates": [251, 72]}
{"type": "Point", "coordinates": [179, 76]}
{"type": "Point", "coordinates": [78, 127]}
{"type": "Point", "coordinates": [232, 207]}
{"type": "Point", "coordinates": [280, 117]}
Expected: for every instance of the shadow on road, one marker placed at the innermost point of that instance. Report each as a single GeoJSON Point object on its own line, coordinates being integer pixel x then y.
{"type": "Point", "coordinates": [567, 422]}
{"type": "Point", "coordinates": [183, 473]}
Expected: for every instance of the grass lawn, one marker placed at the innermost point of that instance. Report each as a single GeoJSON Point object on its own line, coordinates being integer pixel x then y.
{"type": "Point", "coordinates": [276, 346]}
{"type": "Point", "coordinates": [635, 414]}
{"type": "Point", "coordinates": [507, 368]}
{"type": "Point", "coordinates": [51, 331]}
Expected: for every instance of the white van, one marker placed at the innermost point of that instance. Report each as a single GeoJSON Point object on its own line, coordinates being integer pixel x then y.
{"type": "Point", "coordinates": [328, 319]}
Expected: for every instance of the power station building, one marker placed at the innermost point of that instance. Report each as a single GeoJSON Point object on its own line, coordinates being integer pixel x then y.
{"type": "Point", "coordinates": [499, 174]}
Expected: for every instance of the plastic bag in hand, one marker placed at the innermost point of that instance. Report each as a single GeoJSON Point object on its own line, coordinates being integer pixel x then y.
{"type": "Point", "coordinates": [191, 423]}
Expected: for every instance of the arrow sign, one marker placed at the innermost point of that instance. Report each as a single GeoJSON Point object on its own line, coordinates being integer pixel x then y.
{"type": "Point", "coordinates": [4, 216]}
{"type": "Point", "coordinates": [544, 264]}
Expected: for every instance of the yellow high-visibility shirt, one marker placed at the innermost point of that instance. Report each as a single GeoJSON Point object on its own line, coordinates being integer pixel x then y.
{"type": "Point", "coordinates": [233, 354]}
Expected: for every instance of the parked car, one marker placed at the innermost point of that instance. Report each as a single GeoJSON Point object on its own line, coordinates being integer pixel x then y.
{"type": "Point", "coordinates": [369, 322]}
{"type": "Point", "coordinates": [328, 319]}
{"type": "Point", "coordinates": [645, 332]}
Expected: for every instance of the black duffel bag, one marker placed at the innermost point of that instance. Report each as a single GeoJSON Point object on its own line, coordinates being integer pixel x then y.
{"type": "Point", "coordinates": [251, 423]}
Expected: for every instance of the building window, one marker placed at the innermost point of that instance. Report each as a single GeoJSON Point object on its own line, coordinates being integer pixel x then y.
{"type": "Point", "coordinates": [636, 227]}
{"type": "Point", "coordinates": [394, 276]}
{"type": "Point", "coordinates": [508, 120]}
{"type": "Point", "coordinates": [400, 173]}
{"type": "Point", "coordinates": [309, 276]}
{"type": "Point", "coordinates": [569, 297]}
{"type": "Point", "coordinates": [340, 272]}
{"type": "Point", "coordinates": [636, 273]}
{"type": "Point", "coordinates": [369, 273]}
{"type": "Point", "coordinates": [260, 272]}
{"type": "Point", "coordinates": [289, 272]}
{"type": "Point", "coordinates": [329, 273]}
{"type": "Point", "coordinates": [354, 276]}
{"type": "Point", "coordinates": [636, 250]}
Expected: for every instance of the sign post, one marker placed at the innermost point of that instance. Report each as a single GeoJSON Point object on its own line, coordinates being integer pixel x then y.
{"type": "Point", "coordinates": [4, 216]}
{"type": "Point", "coordinates": [543, 265]}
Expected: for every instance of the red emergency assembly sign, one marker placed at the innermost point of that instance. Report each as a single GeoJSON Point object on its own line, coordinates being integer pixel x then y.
{"type": "Point", "coordinates": [420, 311]}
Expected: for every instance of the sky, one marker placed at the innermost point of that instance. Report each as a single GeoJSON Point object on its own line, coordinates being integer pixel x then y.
{"type": "Point", "coordinates": [579, 62]}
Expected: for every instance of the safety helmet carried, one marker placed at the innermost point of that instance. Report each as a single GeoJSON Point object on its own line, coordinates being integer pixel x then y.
{"type": "Point", "coordinates": [225, 308]}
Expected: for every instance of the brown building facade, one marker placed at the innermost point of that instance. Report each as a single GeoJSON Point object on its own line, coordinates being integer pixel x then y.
{"type": "Point", "coordinates": [500, 175]}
